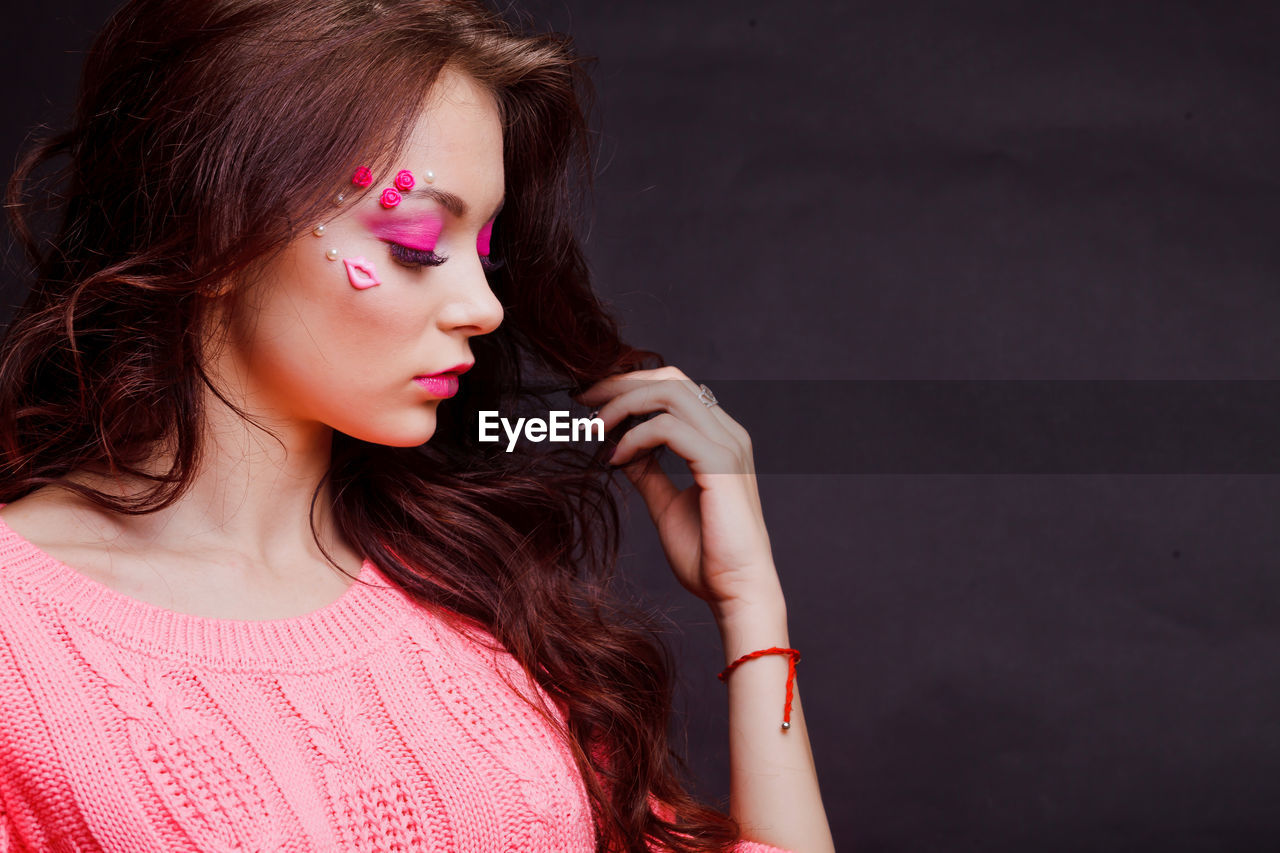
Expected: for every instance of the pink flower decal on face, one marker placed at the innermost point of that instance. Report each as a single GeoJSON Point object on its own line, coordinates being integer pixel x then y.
{"type": "Point", "coordinates": [390, 198]}
{"type": "Point", "coordinates": [404, 180]}
{"type": "Point", "coordinates": [360, 272]}
{"type": "Point", "coordinates": [362, 177]}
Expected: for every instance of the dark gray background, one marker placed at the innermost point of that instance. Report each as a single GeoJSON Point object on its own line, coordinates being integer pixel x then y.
{"type": "Point", "coordinates": [951, 191]}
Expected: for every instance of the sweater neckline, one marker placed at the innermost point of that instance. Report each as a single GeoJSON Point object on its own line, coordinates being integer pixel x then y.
{"type": "Point", "coordinates": [367, 610]}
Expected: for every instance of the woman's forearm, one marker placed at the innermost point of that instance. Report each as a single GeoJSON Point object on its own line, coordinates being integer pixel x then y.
{"type": "Point", "coordinates": [774, 791]}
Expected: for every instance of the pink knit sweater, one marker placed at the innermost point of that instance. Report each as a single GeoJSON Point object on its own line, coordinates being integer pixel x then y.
{"type": "Point", "coordinates": [367, 725]}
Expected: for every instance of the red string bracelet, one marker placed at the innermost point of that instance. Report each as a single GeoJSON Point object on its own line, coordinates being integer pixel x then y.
{"type": "Point", "coordinates": [793, 658]}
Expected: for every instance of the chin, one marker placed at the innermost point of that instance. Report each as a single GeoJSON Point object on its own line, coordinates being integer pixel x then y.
{"type": "Point", "coordinates": [408, 432]}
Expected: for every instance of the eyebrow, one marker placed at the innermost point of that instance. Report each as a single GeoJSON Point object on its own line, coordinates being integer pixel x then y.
{"type": "Point", "coordinates": [452, 203]}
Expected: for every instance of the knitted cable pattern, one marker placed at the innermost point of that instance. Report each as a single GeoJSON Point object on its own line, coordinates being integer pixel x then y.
{"type": "Point", "coordinates": [367, 725]}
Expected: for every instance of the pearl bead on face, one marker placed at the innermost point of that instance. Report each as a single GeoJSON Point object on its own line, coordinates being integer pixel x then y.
{"type": "Point", "coordinates": [429, 176]}
{"type": "Point", "coordinates": [318, 231]}
{"type": "Point", "coordinates": [332, 254]}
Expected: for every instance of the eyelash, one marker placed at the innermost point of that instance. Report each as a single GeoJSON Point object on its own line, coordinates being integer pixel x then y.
{"type": "Point", "coordinates": [426, 258]}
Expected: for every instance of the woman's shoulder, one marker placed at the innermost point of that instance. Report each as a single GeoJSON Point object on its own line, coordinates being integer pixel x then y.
{"type": "Point", "coordinates": [27, 527]}
{"type": "Point", "coordinates": [45, 526]}
{"type": "Point", "coordinates": [32, 514]}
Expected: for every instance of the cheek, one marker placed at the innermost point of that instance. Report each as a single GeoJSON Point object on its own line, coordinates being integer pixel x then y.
{"type": "Point", "coordinates": [320, 332]}
{"type": "Point", "coordinates": [372, 322]}
{"type": "Point", "coordinates": [380, 318]}
{"type": "Point", "coordinates": [482, 242]}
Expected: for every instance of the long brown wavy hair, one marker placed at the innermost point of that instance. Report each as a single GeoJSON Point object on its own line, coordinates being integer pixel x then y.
{"type": "Point", "coordinates": [209, 135]}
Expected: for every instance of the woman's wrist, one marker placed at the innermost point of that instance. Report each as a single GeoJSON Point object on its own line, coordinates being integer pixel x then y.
{"type": "Point", "coordinates": [765, 599]}
{"type": "Point", "coordinates": [748, 627]}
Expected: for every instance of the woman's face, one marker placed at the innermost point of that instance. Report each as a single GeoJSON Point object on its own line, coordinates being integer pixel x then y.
{"type": "Point", "coordinates": [320, 344]}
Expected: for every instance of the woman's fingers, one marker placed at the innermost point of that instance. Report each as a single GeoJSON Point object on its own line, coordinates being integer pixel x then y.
{"type": "Point", "coordinates": [703, 454]}
{"type": "Point", "coordinates": [653, 484]}
{"type": "Point", "coordinates": [643, 398]}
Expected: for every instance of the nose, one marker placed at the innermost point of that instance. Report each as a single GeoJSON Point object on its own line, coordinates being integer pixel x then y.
{"type": "Point", "coordinates": [472, 304]}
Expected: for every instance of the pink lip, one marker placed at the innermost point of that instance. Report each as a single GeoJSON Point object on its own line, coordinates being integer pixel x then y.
{"type": "Point", "coordinates": [360, 273]}
{"type": "Point", "coordinates": [444, 383]}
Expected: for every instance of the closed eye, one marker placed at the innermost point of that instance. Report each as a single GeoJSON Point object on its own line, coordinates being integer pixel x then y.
{"type": "Point", "coordinates": [416, 257]}
{"type": "Point", "coordinates": [427, 258]}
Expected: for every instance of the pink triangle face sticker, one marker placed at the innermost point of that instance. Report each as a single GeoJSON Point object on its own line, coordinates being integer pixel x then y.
{"type": "Point", "coordinates": [360, 272]}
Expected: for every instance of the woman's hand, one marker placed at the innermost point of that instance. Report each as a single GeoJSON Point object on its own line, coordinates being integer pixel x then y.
{"type": "Point", "coordinates": [713, 532]}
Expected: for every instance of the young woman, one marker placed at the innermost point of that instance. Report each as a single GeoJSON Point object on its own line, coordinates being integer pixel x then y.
{"type": "Point", "coordinates": [262, 585]}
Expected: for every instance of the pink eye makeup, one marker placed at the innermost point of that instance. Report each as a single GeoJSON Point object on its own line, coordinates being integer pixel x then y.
{"type": "Point", "coordinates": [412, 238]}
{"type": "Point", "coordinates": [414, 257]}
{"type": "Point", "coordinates": [420, 232]}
